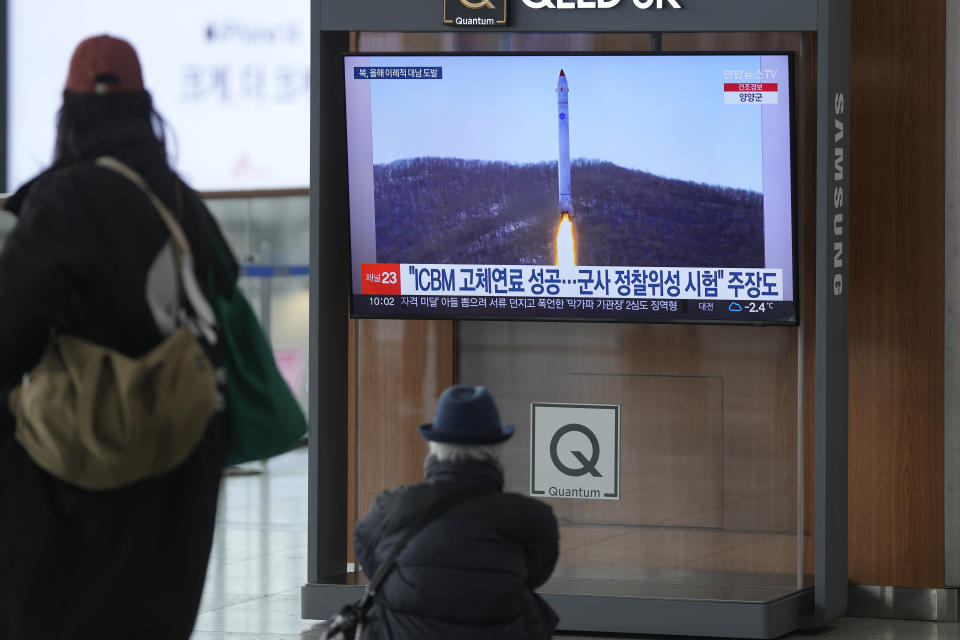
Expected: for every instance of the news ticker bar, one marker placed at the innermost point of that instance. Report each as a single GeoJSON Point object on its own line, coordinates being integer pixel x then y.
{"type": "Point", "coordinates": [571, 308]}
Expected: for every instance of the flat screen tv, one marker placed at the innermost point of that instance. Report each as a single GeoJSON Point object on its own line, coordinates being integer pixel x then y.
{"type": "Point", "coordinates": [625, 187]}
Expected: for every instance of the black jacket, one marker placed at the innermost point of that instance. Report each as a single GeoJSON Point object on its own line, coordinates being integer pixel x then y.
{"type": "Point", "coordinates": [77, 260]}
{"type": "Point", "coordinates": [469, 575]}
{"type": "Point", "coordinates": [79, 564]}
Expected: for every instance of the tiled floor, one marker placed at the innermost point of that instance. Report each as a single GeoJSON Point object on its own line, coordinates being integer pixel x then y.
{"type": "Point", "coordinates": [259, 557]}
{"type": "Point", "coordinates": [259, 562]}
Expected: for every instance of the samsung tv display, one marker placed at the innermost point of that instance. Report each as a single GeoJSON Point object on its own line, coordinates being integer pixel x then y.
{"type": "Point", "coordinates": [629, 187]}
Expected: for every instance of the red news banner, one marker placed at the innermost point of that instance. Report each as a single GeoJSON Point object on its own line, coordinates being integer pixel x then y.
{"type": "Point", "coordinates": [380, 279]}
{"type": "Point", "coordinates": [751, 93]}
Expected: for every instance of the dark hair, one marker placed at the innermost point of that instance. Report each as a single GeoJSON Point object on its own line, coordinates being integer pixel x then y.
{"type": "Point", "coordinates": [84, 112]}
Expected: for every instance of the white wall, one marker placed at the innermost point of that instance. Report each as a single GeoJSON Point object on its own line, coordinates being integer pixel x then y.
{"type": "Point", "coordinates": [230, 76]}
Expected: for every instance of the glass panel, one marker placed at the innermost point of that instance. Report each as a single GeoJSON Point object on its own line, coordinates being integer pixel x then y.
{"type": "Point", "coordinates": [267, 230]}
{"type": "Point", "coordinates": [270, 238]}
{"type": "Point", "coordinates": [402, 366]}
{"type": "Point", "coordinates": [708, 450]}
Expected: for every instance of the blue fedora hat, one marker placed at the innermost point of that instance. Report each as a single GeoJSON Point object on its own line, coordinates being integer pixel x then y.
{"type": "Point", "coordinates": [466, 415]}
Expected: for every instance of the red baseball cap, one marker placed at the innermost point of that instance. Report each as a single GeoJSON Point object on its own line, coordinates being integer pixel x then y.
{"type": "Point", "coordinates": [102, 65]}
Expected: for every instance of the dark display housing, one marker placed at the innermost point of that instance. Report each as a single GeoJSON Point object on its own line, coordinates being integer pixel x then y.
{"type": "Point", "coordinates": [620, 187]}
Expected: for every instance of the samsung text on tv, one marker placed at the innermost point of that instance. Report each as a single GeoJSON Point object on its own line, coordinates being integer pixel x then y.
{"type": "Point", "coordinates": [838, 214]}
{"type": "Point", "coordinates": [599, 4]}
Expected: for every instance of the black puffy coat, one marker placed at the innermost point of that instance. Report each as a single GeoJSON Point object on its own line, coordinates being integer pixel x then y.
{"type": "Point", "coordinates": [470, 574]}
{"type": "Point", "coordinates": [107, 564]}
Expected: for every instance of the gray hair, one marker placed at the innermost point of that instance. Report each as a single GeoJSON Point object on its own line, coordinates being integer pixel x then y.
{"type": "Point", "coordinates": [465, 452]}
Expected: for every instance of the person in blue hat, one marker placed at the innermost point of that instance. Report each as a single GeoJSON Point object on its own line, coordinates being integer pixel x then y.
{"type": "Point", "coordinates": [471, 573]}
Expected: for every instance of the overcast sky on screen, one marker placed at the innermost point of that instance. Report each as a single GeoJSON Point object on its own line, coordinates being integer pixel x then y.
{"type": "Point", "coordinates": [661, 114]}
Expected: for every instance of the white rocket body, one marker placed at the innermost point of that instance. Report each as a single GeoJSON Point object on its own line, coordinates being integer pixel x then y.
{"type": "Point", "coordinates": [563, 158]}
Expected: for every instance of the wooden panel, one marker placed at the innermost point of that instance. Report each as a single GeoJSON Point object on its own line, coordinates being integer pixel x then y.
{"type": "Point", "coordinates": [730, 552]}
{"type": "Point", "coordinates": [351, 436]}
{"type": "Point", "coordinates": [672, 434]}
{"type": "Point", "coordinates": [671, 446]}
{"type": "Point", "coordinates": [491, 42]}
{"type": "Point", "coordinates": [896, 303]}
{"type": "Point", "coordinates": [733, 41]}
{"type": "Point", "coordinates": [402, 367]}
{"type": "Point", "coordinates": [804, 48]}
{"type": "Point", "coordinates": [756, 487]}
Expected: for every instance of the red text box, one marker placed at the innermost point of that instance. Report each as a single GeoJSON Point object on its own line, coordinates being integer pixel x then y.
{"type": "Point", "coordinates": [750, 86]}
{"type": "Point", "coordinates": [380, 279]}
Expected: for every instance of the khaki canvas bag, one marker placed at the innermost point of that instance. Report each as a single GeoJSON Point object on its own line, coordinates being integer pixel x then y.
{"type": "Point", "coordinates": [99, 420]}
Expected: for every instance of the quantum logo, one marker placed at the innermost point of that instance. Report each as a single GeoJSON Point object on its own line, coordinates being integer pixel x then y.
{"type": "Point", "coordinates": [475, 13]}
{"type": "Point", "coordinates": [575, 450]}
{"type": "Point", "coordinates": [587, 465]}
{"type": "Point", "coordinates": [599, 4]}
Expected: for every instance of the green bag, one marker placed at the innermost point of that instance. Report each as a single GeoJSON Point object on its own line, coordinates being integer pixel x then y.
{"type": "Point", "coordinates": [265, 418]}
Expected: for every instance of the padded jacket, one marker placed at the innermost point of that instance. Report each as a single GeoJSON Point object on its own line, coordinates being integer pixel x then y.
{"type": "Point", "coordinates": [470, 574]}
{"type": "Point", "coordinates": [78, 259]}
{"type": "Point", "coordinates": [97, 564]}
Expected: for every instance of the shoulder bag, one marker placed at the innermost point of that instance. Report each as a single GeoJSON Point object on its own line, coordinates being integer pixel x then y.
{"type": "Point", "coordinates": [100, 420]}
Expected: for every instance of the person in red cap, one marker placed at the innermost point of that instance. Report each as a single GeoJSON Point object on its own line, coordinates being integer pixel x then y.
{"type": "Point", "coordinates": [91, 257]}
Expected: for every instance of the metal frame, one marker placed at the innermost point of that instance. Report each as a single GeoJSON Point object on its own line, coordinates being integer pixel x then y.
{"type": "Point", "coordinates": [951, 377]}
{"type": "Point", "coordinates": [904, 603]}
{"type": "Point", "coordinates": [327, 517]}
{"type": "Point", "coordinates": [832, 313]}
{"type": "Point", "coordinates": [328, 585]}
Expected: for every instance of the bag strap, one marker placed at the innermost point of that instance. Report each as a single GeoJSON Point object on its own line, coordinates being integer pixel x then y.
{"type": "Point", "coordinates": [176, 231]}
{"type": "Point", "coordinates": [435, 510]}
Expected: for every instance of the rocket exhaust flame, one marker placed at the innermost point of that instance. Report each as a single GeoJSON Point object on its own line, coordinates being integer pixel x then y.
{"type": "Point", "coordinates": [566, 252]}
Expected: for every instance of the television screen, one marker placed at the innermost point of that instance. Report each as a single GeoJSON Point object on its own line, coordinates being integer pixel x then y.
{"type": "Point", "coordinates": [231, 79]}
{"type": "Point", "coordinates": [639, 187]}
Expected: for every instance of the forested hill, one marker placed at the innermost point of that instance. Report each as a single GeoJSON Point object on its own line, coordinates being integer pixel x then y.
{"type": "Point", "coordinates": [447, 210]}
